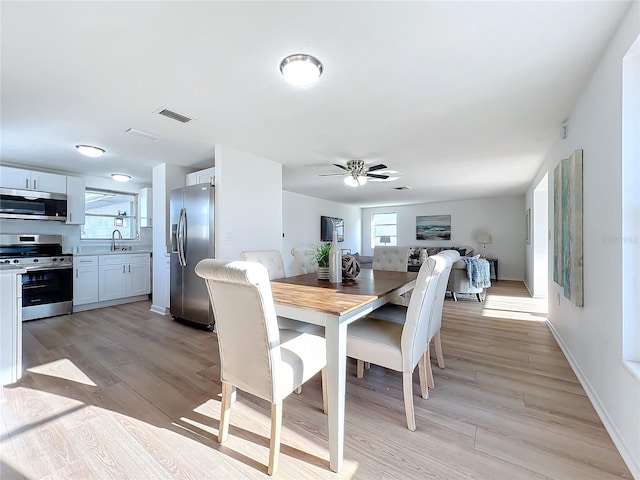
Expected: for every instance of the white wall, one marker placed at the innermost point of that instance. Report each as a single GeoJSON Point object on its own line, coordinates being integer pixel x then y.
{"type": "Point", "coordinates": [248, 203]}
{"type": "Point", "coordinates": [502, 217]}
{"type": "Point", "coordinates": [301, 222]}
{"type": "Point", "coordinates": [592, 336]}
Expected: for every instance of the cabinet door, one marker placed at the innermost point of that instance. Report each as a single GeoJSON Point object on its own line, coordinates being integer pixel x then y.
{"type": "Point", "coordinates": [112, 284]}
{"type": "Point", "coordinates": [206, 176]}
{"type": "Point", "coordinates": [145, 199]}
{"type": "Point", "coordinates": [15, 178]}
{"type": "Point", "coordinates": [138, 279]}
{"type": "Point", "coordinates": [75, 201]}
{"type": "Point", "coordinates": [48, 182]}
{"type": "Point", "coordinates": [85, 285]}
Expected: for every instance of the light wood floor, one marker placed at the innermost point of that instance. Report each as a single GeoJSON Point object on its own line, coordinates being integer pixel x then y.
{"type": "Point", "coordinates": [122, 392]}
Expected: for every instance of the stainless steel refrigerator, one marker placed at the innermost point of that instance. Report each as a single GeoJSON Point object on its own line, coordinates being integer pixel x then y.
{"type": "Point", "coordinates": [192, 239]}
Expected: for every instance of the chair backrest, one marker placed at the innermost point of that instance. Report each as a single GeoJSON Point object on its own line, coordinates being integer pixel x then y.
{"type": "Point", "coordinates": [246, 323]}
{"type": "Point", "coordinates": [450, 257]}
{"type": "Point", "coordinates": [419, 311]}
{"type": "Point", "coordinates": [394, 259]}
{"type": "Point", "coordinates": [272, 259]}
{"type": "Point", "coordinates": [303, 259]}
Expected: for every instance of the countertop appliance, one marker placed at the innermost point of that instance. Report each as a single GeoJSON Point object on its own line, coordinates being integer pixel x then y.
{"type": "Point", "coordinates": [47, 287]}
{"type": "Point", "coordinates": [191, 216]}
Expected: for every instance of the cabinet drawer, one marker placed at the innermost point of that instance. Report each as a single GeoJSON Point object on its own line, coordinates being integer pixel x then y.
{"type": "Point", "coordinates": [113, 259]}
{"type": "Point", "coordinates": [138, 258]}
{"type": "Point", "coordinates": [85, 261]}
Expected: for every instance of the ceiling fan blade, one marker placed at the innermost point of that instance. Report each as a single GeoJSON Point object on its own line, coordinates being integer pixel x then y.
{"type": "Point", "coordinates": [340, 166]}
{"type": "Point", "coordinates": [375, 175]}
{"type": "Point", "coordinates": [380, 166]}
{"type": "Point", "coordinates": [332, 174]}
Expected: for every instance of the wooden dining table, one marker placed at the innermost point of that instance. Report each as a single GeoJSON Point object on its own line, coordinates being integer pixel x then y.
{"type": "Point", "coordinates": [334, 306]}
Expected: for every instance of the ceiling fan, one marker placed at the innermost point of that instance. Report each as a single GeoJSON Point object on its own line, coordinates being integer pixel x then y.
{"type": "Point", "coordinates": [357, 174]}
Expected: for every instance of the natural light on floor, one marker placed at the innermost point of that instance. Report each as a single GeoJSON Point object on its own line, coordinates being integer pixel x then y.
{"type": "Point", "coordinates": [515, 308]}
{"type": "Point", "coordinates": [64, 369]}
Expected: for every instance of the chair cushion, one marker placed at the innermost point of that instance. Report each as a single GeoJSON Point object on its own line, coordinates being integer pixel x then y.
{"type": "Point", "coordinates": [376, 341]}
{"type": "Point", "coordinates": [302, 356]}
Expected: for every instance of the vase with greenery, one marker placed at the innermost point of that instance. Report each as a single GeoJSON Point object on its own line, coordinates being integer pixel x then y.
{"type": "Point", "coordinates": [321, 256]}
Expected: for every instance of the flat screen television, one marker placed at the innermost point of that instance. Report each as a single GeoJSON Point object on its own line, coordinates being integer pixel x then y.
{"type": "Point", "coordinates": [328, 225]}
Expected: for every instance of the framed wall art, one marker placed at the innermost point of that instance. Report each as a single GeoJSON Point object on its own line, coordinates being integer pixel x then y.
{"type": "Point", "coordinates": [433, 227]}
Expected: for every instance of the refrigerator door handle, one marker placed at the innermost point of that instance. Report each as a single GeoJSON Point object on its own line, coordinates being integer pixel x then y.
{"type": "Point", "coordinates": [181, 235]}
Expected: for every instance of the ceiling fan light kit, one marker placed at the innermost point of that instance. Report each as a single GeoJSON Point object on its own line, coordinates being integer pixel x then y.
{"type": "Point", "coordinates": [355, 180]}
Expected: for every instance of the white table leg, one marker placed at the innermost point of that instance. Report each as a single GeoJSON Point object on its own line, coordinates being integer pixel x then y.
{"type": "Point", "coordinates": [336, 335]}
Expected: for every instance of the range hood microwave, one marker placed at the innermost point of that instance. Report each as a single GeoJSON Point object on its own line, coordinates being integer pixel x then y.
{"type": "Point", "coordinates": [30, 205]}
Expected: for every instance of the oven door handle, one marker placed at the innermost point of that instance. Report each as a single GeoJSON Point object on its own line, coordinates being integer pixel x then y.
{"type": "Point", "coordinates": [32, 268]}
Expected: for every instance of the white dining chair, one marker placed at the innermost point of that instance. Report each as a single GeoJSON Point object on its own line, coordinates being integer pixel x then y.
{"type": "Point", "coordinates": [272, 260]}
{"type": "Point", "coordinates": [255, 355]}
{"type": "Point", "coordinates": [393, 259]}
{"type": "Point", "coordinates": [397, 314]}
{"type": "Point", "coordinates": [397, 346]}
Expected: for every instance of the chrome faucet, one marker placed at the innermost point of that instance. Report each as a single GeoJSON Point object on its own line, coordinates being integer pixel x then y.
{"type": "Point", "coordinates": [113, 239]}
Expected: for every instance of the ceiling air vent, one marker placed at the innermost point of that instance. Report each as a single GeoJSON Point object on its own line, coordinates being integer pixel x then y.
{"type": "Point", "coordinates": [173, 115]}
{"type": "Point", "coordinates": [140, 133]}
{"type": "Point", "coordinates": [406, 187]}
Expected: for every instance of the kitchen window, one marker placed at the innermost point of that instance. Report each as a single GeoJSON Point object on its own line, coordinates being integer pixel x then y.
{"type": "Point", "coordinates": [106, 211]}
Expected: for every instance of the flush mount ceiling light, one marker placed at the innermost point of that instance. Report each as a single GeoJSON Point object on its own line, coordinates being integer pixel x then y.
{"type": "Point", "coordinates": [120, 177]}
{"type": "Point", "coordinates": [301, 69]}
{"type": "Point", "coordinates": [355, 180]}
{"type": "Point", "coordinates": [90, 150]}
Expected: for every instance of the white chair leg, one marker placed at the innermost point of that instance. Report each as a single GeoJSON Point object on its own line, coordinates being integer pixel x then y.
{"type": "Point", "coordinates": [225, 411]}
{"type": "Point", "coordinates": [325, 409]}
{"type": "Point", "coordinates": [359, 368]}
{"type": "Point", "coordinates": [276, 432]}
{"type": "Point", "coordinates": [422, 370]}
{"type": "Point", "coordinates": [367, 365]}
{"type": "Point", "coordinates": [298, 390]}
{"type": "Point", "coordinates": [455, 297]}
{"type": "Point", "coordinates": [407, 388]}
{"type": "Point", "coordinates": [438, 344]}
{"type": "Point", "coordinates": [429, 371]}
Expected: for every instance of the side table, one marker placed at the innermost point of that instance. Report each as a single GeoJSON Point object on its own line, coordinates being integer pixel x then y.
{"type": "Point", "coordinates": [493, 268]}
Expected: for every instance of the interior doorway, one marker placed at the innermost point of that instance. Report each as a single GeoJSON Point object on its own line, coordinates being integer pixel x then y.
{"type": "Point", "coordinates": [540, 238]}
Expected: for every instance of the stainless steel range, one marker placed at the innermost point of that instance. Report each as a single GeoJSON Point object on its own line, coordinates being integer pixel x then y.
{"type": "Point", "coordinates": [47, 287]}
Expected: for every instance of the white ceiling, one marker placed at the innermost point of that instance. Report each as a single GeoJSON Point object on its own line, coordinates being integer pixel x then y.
{"type": "Point", "coordinates": [463, 98]}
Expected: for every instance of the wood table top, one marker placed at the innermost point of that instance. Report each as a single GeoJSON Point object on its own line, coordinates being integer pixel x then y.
{"type": "Point", "coordinates": [307, 292]}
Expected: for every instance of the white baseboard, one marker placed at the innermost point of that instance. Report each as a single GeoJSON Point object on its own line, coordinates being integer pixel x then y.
{"type": "Point", "coordinates": [618, 441]}
{"type": "Point", "coordinates": [159, 309]}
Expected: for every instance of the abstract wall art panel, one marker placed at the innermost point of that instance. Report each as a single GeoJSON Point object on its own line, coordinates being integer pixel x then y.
{"type": "Point", "coordinates": [568, 256]}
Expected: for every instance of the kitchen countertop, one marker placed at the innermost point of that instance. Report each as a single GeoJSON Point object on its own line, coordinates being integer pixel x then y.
{"type": "Point", "coordinates": [110, 252]}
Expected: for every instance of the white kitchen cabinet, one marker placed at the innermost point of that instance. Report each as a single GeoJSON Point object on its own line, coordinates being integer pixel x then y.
{"type": "Point", "coordinates": [21, 179]}
{"type": "Point", "coordinates": [207, 175]}
{"type": "Point", "coordinates": [124, 275]}
{"type": "Point", "coordinates": [10, 326]}
{"type": "Point", "coordinates": [85, 280]}
{"type": "Point", "coordinates": [75, 201]}
{"type": "Point", "coordinates": [145, 200]}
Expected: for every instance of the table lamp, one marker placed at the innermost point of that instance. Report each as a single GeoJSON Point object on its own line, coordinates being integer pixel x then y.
{"type": "Point", "coordinates": [385, 239]}
{"type": "Point", "coordinates": [484, 239]}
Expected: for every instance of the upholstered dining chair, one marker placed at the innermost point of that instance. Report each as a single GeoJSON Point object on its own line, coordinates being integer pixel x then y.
{"type": "Point", "coordinates": [255, 355]}
{"type": "Point", "coordinates": [272, 260]}
{"type": "Point", "coordinates": [396, 346]}
{"type": "Point", "coordinates": [304, 260]}
{"type": "Point", "coordinates": [394, 259]}
{"type": "Point", "coordinates": [397, 314]}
